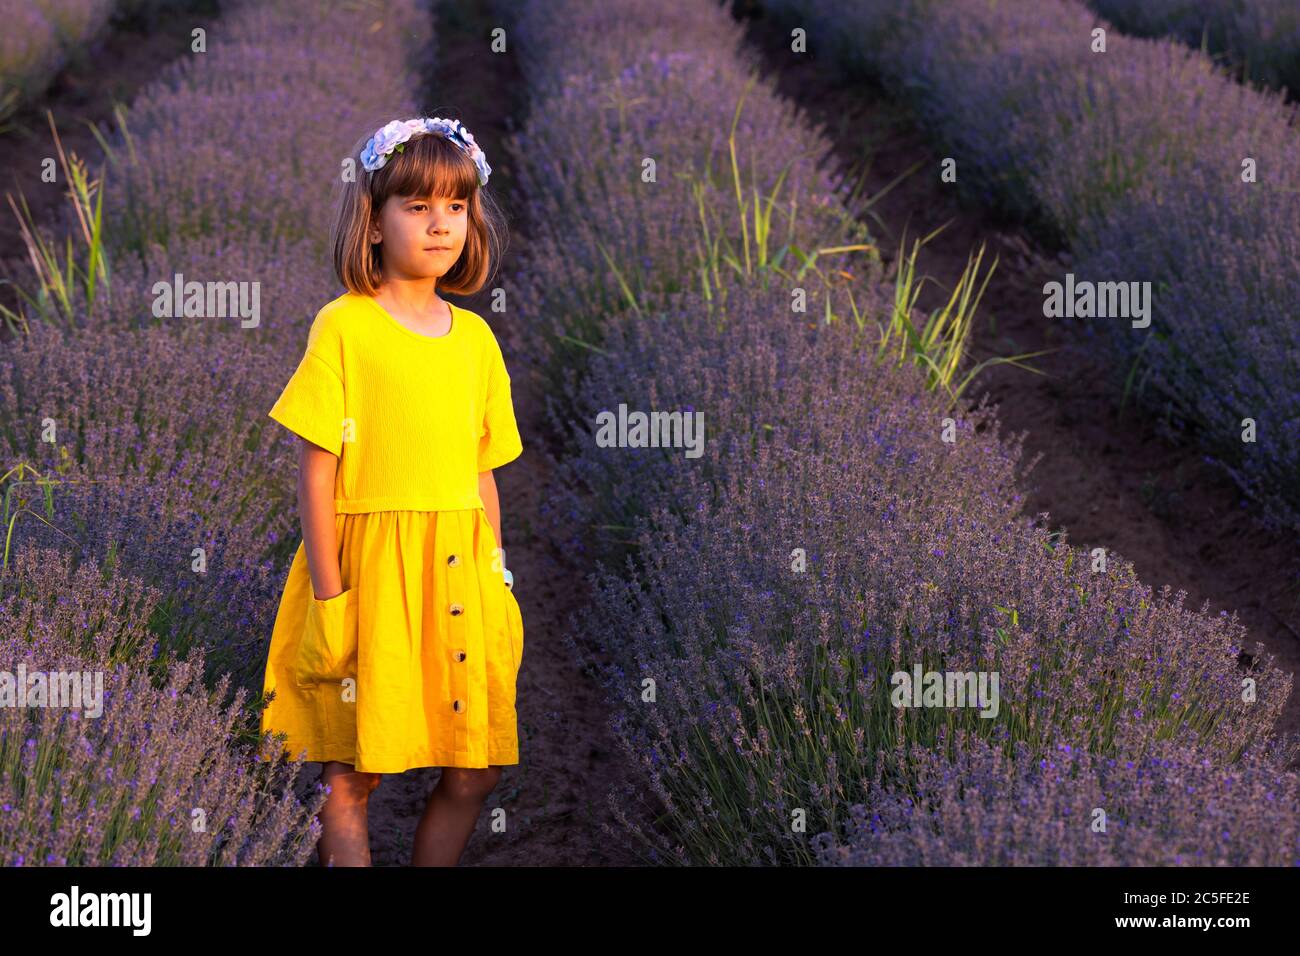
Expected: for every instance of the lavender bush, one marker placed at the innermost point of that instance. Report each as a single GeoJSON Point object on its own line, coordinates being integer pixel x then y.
{"type": "Point", "coordinates": [38, 40]}
{"type": "Point", "coordinates": [717, 615]}
{"type": "Point", "coordinates": [828, 536]}
{"type": "Point", "coordinates": [1225, 345]}
{"type": "Point", "coordinates": [29, 54]}
{"type": "Point", "coordinates": [219, 144]}
{"type": "Point", "coordinates": [1261, 37]}
{"type": "Point", "coordinates": [157, 441]}
{"type": "Point", "coordinates": [75, 21]}
{"type": "Point", "coordinates": [160, 777]}
{"type": "Point", "coordinates": [1172, 807]}
{"type": "Point", "coordinates": [674, 233]}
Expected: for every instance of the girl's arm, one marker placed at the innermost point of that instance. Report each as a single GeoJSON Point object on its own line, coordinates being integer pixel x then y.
{"type": "Point", "coordinates": [316, 472]}
{"type": "Point", "coordinates": [487, 490]}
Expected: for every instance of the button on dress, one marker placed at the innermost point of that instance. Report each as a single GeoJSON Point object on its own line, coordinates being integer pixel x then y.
{"type": "Point", "coordinates": [415, 663]}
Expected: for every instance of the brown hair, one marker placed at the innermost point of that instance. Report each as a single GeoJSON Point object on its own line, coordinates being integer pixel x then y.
{"type": "Point", "coordinates": [429, 165]}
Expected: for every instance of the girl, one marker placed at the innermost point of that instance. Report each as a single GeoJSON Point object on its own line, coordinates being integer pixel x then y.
{"type": "Point", "coordinates": [398, 640]}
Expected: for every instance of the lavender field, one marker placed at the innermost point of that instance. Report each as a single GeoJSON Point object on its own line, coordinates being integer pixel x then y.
{"type": "Point", "coordinates": [1153, 167]}
{"type": "Point", "coordinates": [773, 546]}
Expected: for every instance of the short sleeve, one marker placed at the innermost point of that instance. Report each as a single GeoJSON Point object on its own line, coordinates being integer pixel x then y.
{"type": "Point", "coordinates": [499, 441]}
{"type": "Point", "coordinates": [311, 405]}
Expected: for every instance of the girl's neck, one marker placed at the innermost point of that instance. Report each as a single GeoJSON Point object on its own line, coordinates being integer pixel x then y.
{"type": "Point", "coordinates": [413, 298]}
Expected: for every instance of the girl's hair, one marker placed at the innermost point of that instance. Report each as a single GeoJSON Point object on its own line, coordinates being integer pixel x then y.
{"type": "Point", "coordinates": [433, 166]}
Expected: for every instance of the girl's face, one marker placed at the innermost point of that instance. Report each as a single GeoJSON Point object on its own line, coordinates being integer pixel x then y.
{"type": "Point", "coordinates": [421, 237]}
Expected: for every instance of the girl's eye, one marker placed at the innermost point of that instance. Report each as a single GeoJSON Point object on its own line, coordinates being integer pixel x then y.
{"type": "Point", "coordinates": [459, 205]}
{"type": "Point", "coordinates": [418, 206]}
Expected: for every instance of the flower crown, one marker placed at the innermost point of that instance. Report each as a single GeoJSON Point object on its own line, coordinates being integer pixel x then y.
{"type": "Point", "coordinates": [391, 136]}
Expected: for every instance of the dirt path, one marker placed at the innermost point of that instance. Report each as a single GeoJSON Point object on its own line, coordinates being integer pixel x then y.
{"type": "Point", "coordinates": [555, 797]}
{"type": "Point", "coordinates": [1108, 482]}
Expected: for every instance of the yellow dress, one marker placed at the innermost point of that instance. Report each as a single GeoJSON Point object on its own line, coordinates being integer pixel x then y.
{"type": "Point", "coordinates": [414, 664]}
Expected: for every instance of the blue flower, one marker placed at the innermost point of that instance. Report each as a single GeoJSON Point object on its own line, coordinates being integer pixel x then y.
{"type": "Point", "coordinates": [368, 158]}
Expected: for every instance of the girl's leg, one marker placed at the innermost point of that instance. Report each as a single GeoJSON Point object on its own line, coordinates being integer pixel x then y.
{"type": "Point", "coordinates": [451, 813]}
{"type": "Point", "coordinates": [344, 836]}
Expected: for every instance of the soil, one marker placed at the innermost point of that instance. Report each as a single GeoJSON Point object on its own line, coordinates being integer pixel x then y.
{"type": "Point", "coordinates": [1107, 480]}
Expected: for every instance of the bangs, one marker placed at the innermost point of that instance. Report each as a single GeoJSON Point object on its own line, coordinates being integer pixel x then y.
{"type": "Point", "coordinates": [428, 166]}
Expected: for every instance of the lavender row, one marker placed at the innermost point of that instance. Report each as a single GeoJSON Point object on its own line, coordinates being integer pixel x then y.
{"type": "Point", "coordinates": [140, 771]}
{"type": "Point", "coordinates": [152, 424]}
{"type": "Point", "coordinates": [766, 582]}
{"type": "Point", "coordinates": [220, 146]}
{"type": "Point", "coordinates": [43, 37]}
{"type": "Point", "coordinates": [915, 558]}
{"type": "Point", "coordinates": [1173, 806]}
{"type": "Point", "coordinates": [650, 240]}
{"type": "Point", "coordinates": [1261, 37]}
{"type": "Point", "coordinates": [1162, 175]}
{"type": "Point", "coordinates": [39, 39]}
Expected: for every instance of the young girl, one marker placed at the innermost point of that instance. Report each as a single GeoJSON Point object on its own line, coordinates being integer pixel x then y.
{"type": "Point", "coordinates": [398, 640]}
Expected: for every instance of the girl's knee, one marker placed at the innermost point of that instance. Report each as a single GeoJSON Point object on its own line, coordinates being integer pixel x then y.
{"type": "Point", "coordinates": [466, 783]}
{"type": "Point", "coordinates": [347, 784]}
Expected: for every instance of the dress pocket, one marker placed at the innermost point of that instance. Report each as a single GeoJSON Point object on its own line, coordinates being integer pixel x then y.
{"type": "Point", "coordinates": [515, 625]}
{"type": "Point", "coordinates": [328, 650]}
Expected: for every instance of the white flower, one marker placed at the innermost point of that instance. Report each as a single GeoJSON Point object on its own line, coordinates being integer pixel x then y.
{"type": "Point", "coordinates": [391, 135]}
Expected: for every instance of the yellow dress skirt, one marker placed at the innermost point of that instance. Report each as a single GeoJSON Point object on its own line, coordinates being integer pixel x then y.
{"type": "Point", "coordinates": [414, 664]}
